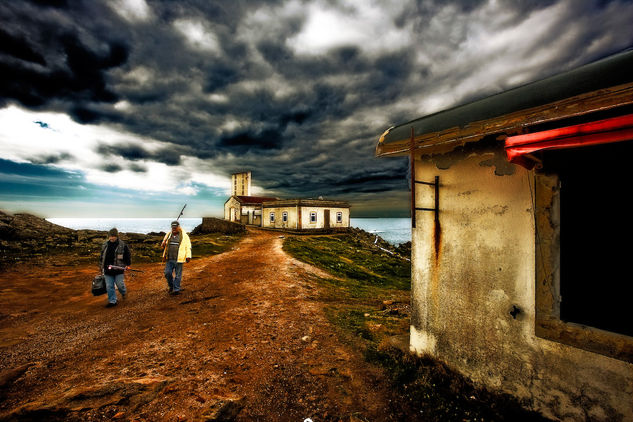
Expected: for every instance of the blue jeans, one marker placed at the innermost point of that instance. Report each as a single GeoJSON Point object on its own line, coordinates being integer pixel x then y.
{"type": "Point", "coordinates": [111, 280]}
{"type": "Point", "coordinates": [172, 267]}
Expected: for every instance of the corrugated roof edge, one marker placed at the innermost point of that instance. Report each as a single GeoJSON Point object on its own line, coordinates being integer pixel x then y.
{"type": "Point", "coordinates": [611, 71]}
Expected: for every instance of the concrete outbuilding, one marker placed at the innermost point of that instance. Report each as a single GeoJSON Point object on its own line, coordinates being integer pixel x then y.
{"type": "Point", "coordinates": [241, 207]}
{"type": "Point", "coordinates": [306, 215]}
{"type": "Point", "coordinates": [287, 214]}
{"type": "Point", "coordinates": [245, 209]}
{"type": "Point", "coordinates": [521, 240]}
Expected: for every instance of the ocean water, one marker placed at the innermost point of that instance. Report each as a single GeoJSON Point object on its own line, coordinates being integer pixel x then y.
{"type": "Point", "coordinates": [393, 230]}
{"type": "Point", "coordinates": [126, 225]}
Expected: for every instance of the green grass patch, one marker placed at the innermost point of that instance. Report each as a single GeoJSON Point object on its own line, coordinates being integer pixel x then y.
{"type": "Point", "coordinates": [368, 297]}
{"type": "Point", "coordinates": [348, 258]}
{"type": "Point", "coordinates": [213, 243]}
{"type": "Point", "coordinates": [149, 250]}
{"type": "Point", "coordinates": [367, 300]}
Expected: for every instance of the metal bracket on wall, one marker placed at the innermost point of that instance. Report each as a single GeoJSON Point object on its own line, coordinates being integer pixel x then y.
{"type": "Point", "coordinates": [435, 184]}
{"type": "Point", "coordinates": [436, 208]}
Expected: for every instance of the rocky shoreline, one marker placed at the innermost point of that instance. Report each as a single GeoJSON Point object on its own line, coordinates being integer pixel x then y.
{"type": "Point", "coordinates": [26, 237]}
{"type": "Point", "coordinates": [371, 240]}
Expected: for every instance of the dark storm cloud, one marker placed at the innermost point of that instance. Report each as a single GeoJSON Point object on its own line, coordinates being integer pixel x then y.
{"type": "Point", "coordinates": [227, 83]}
{"type": "Point", "coordinates": [111, 168]}
{"type": "Point", "coordinates": [266, 139]}
{"type": "Point", "coordinates": [95, 113]}
{"type": "Point", "coordinates": [129, 152]}
{"type": "Point", "coordinates": [133, 152]}
{"type": "Point", "coordinates": [137, 168]}
{"type": "Point", "coordinates": [52, 3]}
{"type": "Point", "coordinates": [44, 58]}
{"type": "Point", "coordinates": [19, 48]}
{"type": "Point", "coordinates": [52, 158]}
{"type": "Point", "coordinates": [365, 177]}
{"type": "Point", "coordinates": [220, 75]}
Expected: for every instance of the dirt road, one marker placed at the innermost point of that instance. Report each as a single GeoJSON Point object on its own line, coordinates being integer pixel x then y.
{"type": "Point", "coordinates": [246, 333]}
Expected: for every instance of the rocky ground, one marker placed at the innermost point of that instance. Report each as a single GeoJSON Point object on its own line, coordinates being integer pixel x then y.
{"type": "Point", "coordinates": [28, 238]}
{"type": "Point", "coordinates": [255, 335]}
{"type": "Point", "coordinates": [243, 339]}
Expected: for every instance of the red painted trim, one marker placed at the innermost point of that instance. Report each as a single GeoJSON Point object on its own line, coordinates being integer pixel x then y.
{"type": "Point", "coordinates": [605, 131]}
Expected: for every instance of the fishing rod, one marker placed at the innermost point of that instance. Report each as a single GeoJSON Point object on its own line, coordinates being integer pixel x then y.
{"type": "Point", "coordinates": [116, 267]}
{"type": "Point", "coordinates": [181, 212]}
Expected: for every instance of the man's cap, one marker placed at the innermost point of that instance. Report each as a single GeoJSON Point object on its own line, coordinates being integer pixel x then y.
{"type": "Point", "coordinates": [113, 232]}
{"type": "Point", "coordinates": [175, 224]}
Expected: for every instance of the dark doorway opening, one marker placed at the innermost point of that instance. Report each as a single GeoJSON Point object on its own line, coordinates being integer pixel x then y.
{"type": "Point", "coordinates": [596, 234]}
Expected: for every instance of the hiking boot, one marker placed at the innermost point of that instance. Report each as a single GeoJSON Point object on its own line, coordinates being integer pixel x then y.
{"type": "Point", "coordinates": [124, 295]}
{"type": "Point", "coordinates": [110, 305]}
{"type": "Point", "coordinates": [175, 293]}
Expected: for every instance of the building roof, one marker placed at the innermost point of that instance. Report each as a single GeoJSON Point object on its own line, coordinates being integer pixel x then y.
{"type": "Point", "coordinates": [244, 200]}
{"type": "Point", "coordinates": [600, 85]}
{"type": "Point", "coordinates": [306, 203]}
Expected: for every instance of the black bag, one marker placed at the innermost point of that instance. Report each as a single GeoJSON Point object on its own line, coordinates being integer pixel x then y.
{"type": "Point", "coordinates": [99, 285]}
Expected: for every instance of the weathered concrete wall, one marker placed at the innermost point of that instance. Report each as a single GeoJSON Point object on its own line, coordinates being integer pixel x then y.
{"type": "Point", "coordinates": [293, 217]}
{"type": "Point", "coordinates": [251, 215]}
{"type": "Point", "coordinates": [232, 210]}
{"type": "Point", "coordinates": [320, 221]}
{"type": "Point", "coordinates": [291, 222]}
{"type": "Point", "coordinates": [470, 272]}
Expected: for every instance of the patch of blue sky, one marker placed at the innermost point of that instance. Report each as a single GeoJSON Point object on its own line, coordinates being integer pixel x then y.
{"type": "Point", "coordinates": [57, 193]}
{"type": "Point", "coordinates": [26, 179]}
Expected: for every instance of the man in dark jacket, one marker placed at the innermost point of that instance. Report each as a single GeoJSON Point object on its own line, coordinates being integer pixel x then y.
{"type": "Point", "coordinates": [115, 253]}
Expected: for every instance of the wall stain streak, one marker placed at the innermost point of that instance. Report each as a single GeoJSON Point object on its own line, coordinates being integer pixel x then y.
{"type": "Point", "coordinates": [437, 238]}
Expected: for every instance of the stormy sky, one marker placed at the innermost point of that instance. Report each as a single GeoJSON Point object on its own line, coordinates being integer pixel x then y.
{"type": "Point", "coordinates": [131, 108]}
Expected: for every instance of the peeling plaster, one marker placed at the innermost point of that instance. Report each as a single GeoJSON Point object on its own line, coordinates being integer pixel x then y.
{"type": "Point", "coordinates": [501, 164]}
{"type": "Point", "coordinates": [489, 148]}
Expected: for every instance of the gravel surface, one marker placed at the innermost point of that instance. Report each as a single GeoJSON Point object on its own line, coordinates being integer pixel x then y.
{"type": "Point", "coordinates": [246, 340]}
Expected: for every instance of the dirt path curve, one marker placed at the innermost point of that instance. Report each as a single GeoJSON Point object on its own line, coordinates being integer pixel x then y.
{"type": "Point", "coordinates": [247, 332]}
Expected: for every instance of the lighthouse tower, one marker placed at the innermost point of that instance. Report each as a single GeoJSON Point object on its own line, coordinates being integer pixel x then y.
{"type": "Point", "coordinates": [241, 184]}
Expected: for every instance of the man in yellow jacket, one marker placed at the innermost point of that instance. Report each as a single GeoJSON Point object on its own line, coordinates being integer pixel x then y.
{"type": "Point", "coordinates": [176, 251]}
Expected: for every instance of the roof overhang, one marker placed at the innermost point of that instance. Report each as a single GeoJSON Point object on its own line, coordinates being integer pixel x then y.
{"type": "Point", "coordinates": [306, 203]}
{"type": "Point", "coordinates": [252, 200]}
{"type": "Point", "coordinates": [519, 149]}
{"type": "Point", "coordinates": [598, 86]}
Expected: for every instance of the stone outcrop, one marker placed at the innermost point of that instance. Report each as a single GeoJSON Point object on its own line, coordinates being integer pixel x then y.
{"type": "Point", "coordinates": [26, 236]}
{"type": "Point", "coordinates": [27, 226]}
{"type": "Point", "coordinates": [217, 225]}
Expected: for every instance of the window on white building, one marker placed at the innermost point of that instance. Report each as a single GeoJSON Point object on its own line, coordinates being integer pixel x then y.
{"type": "Point", "coordinates": [284, 217]}
{"type": "Point", "coordinates": [313, 217]}
{"type": "Point", "coordinates": [339, 217]}
{"type": "Point", "coordinates": [272, 217]}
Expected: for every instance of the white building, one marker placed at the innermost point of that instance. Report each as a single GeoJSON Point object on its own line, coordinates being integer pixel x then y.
{"type": "Point", "coordinates": [290, 214]}
{"type": "Point", "coordinates": [245, 209]}
{"type": "Point", "coordinates": [520, 241]}
{"type": "Point", "coordinates": [306, 214]}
